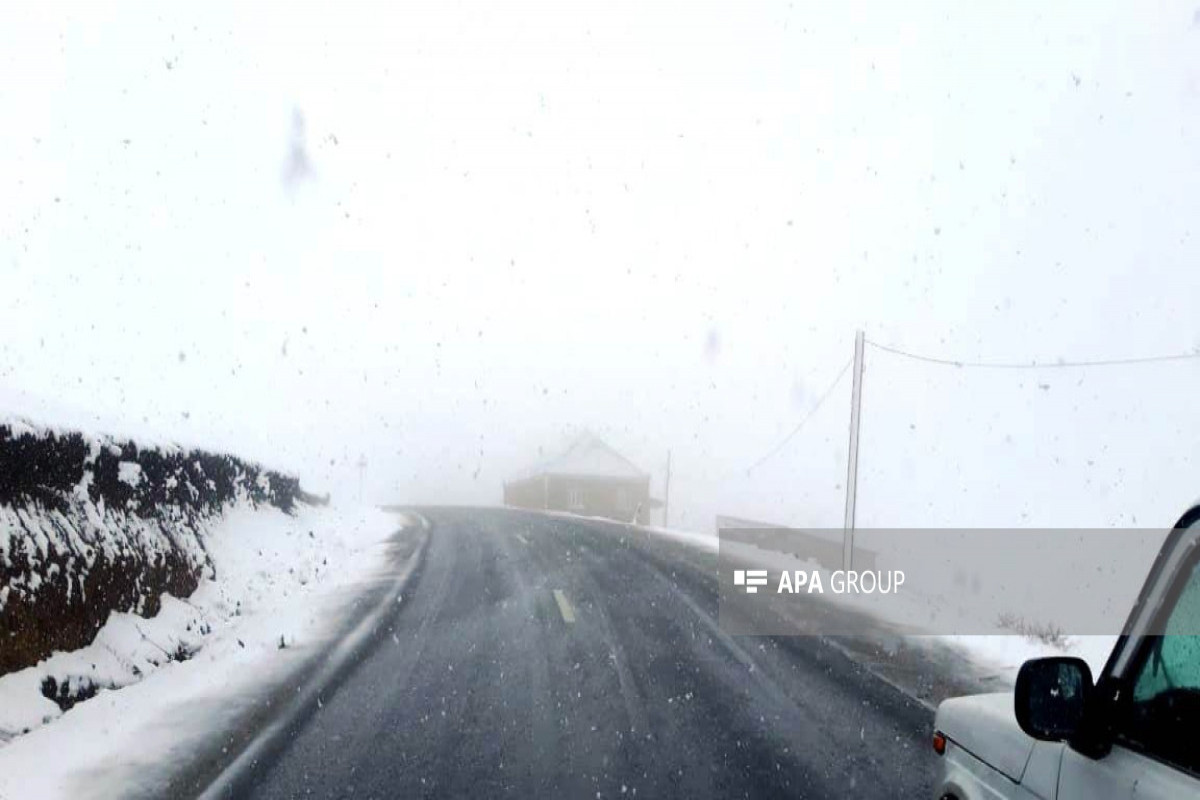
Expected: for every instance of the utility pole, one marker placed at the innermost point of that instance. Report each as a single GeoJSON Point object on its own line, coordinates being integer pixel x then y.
{"type": "Point", "coordinates": [852, 460]}
{"type": "Point", "coordinates": [667, 495]}
{"type": "Point", "coordinates": [362, 465]}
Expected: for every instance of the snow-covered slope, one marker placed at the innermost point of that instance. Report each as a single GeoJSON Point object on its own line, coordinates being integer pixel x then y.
{"type": "Point", "coordinates": [131, 563]}
{"type": "Point", "coordinates": [279, 581]}
{"type": "Point", "coordinates": [90, 525]}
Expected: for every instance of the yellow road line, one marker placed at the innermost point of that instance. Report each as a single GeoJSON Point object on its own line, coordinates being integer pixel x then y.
{"type": "Point", "coordinates": [564, 607]}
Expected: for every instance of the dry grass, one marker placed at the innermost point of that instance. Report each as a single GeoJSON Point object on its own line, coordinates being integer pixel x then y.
{"type": "Point", "coordinates": [1035, 631]}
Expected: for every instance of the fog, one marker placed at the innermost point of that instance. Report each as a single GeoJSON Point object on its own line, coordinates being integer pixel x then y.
{"type": "Point", "coordinates": [446, 238]}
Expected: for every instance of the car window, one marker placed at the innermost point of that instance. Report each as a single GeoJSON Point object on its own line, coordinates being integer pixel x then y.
{"type": "Point", "coordinates": [1164, 713]}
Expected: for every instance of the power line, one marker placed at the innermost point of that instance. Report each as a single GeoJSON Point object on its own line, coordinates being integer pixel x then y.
{"type": "Point", "coordinates": [803, 422]}
{"type": "Point", "coordinates": [950, 362]}
{"type": "Point", "coordinates": [1107, 362]}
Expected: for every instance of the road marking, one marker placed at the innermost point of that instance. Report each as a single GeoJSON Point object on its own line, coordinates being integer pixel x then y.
{"type": "Point", "coordinates": [564, 607]}
{"type": "Point", "coordinates": [523, 539]}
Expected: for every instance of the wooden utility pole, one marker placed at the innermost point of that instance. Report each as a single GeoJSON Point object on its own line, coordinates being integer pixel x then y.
{"type": "Point", "coordinates": [667, 495]}
{"type": "Point", "coordinates": [362, 465]}
{"type": "Point", "coordinates": [852, 460]}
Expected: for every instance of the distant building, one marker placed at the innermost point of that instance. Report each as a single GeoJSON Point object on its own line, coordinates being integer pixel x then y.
{"type": "Point", "coordinates": [590, 479]}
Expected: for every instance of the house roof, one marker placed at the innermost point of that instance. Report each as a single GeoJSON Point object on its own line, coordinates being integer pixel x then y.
{"type": "Point", "coordinates": [588, 456]}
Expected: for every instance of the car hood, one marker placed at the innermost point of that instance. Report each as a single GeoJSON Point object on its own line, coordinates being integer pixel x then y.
{"type": "Point", "coordinates": [985, 725]}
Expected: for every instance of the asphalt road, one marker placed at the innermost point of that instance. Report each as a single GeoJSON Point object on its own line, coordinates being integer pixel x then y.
{"type": "Point", "coordinates": [548, 657]}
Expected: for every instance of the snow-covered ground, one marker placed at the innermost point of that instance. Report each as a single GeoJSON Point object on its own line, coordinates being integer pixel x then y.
{"type": "Point", "coordinates": [703, 541]}
{"type": "Point", "coordinates": [1002, 655]}
{"type": "Point", "coordinates": [279, 579]}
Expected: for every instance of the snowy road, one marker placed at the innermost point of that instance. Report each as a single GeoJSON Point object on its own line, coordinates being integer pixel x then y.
{"type": "Point", "coordinates": [542, 656]}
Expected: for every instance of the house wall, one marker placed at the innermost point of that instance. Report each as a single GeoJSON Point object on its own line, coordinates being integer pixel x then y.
{"type": "Point", "coordinates": [601, 497]}
{"type": "Point", "coordinates": [617, 499]}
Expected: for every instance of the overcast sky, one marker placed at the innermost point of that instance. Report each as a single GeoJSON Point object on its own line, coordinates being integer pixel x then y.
{"type": "Point", "coordinates": [444, 236]}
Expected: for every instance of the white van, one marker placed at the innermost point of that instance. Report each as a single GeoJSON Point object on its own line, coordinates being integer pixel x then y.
{"type": "Point", "coordinates": [1134, 733]}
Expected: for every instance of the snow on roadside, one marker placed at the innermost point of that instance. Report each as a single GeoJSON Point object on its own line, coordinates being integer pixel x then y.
{"type": "Point", "coordinates": [277, 578]}
{"type": "Point", "coordinates": [1001, 655]}
{"type": "Point", "coordinates": [702, 541]}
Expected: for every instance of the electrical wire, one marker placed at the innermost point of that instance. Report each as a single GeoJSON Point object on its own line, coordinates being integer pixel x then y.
{"type": "Point", "coordinates": [950, 362]}
{"type": "Point", "coordinates": [812, 412]}
{"type": "Point", "coordinates": [1107, 362]}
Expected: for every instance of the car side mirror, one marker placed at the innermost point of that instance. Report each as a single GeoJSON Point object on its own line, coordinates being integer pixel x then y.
{"type": "Point", "coordinates": [1051, 696]}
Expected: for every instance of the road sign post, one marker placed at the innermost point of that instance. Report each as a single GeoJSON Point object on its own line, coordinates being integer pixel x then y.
{"type": "Point", "coordinates": [667, 495]}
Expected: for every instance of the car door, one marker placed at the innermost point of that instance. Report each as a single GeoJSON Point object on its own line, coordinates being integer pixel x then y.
{"type": "Point", "coordinates": [1155, 751]}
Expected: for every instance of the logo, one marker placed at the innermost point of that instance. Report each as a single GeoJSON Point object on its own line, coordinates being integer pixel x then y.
{"type": "Point", "coordinates": [750, 578]}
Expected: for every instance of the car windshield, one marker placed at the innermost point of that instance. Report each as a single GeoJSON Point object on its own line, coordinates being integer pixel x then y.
{"type": "Point", "coordinates": [582, 399]}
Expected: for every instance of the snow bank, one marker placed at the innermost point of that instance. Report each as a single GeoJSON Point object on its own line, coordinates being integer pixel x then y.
{"type": "Point", "coordinates": [703, 541]}
{"type": "Point", "coordinates": [1001, 656]}
{"type": "Point", "coordinates": [274, 580]}
{"type": "Point", "coordinates": [90, 525]}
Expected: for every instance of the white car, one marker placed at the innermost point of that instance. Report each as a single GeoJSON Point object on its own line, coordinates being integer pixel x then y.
{"type": "Point", "coordinates": [1134, 733]}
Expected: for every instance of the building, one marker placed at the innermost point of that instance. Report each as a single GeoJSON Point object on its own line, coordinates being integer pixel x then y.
{"type": "Point", "coordinates": [590, 479]}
